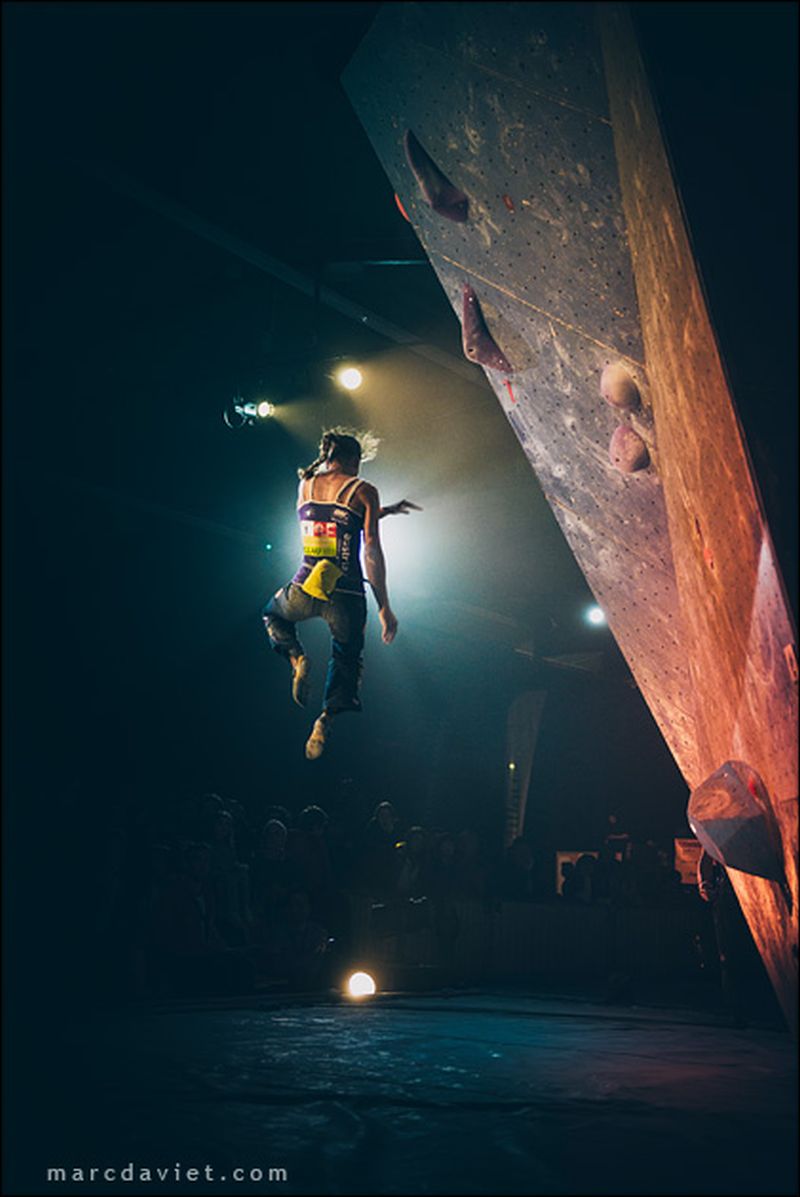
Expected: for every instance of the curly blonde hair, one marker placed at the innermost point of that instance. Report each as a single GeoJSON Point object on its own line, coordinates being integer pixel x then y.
{"type": "Point", "coordinates": [343, 442]}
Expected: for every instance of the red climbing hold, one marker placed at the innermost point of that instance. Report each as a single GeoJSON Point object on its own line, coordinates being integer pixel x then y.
{"type": "Point", "coordinates": [436, 188]}
{"type": "Point", "coordinates": [509, 203]}
{"type": "Point", "coordinates": [510, 392]}
{"type": "Point", "coordinates": [479, 344]}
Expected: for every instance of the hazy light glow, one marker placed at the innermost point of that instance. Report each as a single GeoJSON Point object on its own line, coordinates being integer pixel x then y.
{"type": "Point", "coordinates": [596, 616]}
{"type": "Point", "coordinates": [350, 378]}
{"type": "Point", "coordinates": [512, 766]}
{"type": "Point", "coordinates": [360, 985]}
{"type": "Point", "coordinates": [265, 409]}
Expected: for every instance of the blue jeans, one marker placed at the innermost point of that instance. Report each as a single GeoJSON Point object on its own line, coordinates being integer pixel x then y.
{"type": "Point", "coordinates": [345, 615]}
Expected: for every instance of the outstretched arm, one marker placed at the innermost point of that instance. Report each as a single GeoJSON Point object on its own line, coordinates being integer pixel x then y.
{"type": "Point", "coordinates": [375, 563]}
{"type": "Point", "coordinates": [401, 508]}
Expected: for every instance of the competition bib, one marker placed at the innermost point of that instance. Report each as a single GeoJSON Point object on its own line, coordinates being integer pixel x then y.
{"type": "Point", "coordinates": [319, 538]}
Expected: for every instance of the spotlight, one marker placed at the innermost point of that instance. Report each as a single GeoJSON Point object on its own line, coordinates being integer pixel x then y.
{"type": "Point", "coordinates": [238, 413]}
{"type": "Point", "coordinates": [350, 378]}
{"type": "Point", "coordinates": [360, 985]}
{"type": "Point", "coordinates": [595, 615]}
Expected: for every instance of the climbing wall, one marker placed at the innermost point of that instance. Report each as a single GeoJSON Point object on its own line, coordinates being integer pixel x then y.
{"type": "Point", "coordinates": [508, 101]}
{"type": "Point", "coordinates": [521, 144]}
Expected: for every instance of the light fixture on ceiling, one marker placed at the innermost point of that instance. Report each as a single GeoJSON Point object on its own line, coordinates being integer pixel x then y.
{"type": "Point", "coordinates": [349, 377]}
{"type": "Point", "coordinates": [238, 414]}
{"type": "Point", "coordinates": [596, 616]}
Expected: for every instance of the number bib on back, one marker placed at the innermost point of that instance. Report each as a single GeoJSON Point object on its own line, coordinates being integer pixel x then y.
{"type": "Point", "coordinates": [319, 538]}
{"type": "Point", "coordinates": [331, 532]}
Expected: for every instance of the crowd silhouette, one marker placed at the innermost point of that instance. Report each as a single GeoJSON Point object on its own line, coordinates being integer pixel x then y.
{"type": "Point", "coordinates": [209, 898]}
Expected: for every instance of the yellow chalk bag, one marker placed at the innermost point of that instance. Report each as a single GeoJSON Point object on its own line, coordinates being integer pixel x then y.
{"type": "Point", "coordinates": [321, 582]}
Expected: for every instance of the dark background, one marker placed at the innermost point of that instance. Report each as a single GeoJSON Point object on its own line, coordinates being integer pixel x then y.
{"type": "Point", "coordinates": [136, 668]}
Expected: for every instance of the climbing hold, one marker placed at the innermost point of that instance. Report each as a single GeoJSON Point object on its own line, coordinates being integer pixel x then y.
{"type": "Point", "coordinates": [730, 814]}
{"type": "Point", "coordinates": [479, 344]}
{"type": "Point", "coordinates": [627, 450]}
{"type": "Point", "coordinates": [399, 203]}
{"type": "Point", "coordinates": [509, 203]}
{"type": "Point", "coordinates": [618, 388]}
{"type": "Point", "coordinates": [436, 188]}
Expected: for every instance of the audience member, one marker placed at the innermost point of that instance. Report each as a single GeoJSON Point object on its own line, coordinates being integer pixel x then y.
{"type": "Point", "coordinates": [439, 878]}
{"type": "Point", "coordinates": [229, 881]}
{"type": "Point", "coordinates": [515, 882]}
{"type": "Point", "coordinates": [296, 944]}
{"type": "Point", "coordinates": [378, 871]}
{"type": "Point", "coordinates": [271, 878]}
{"type": "Point", "coordinates": [413, 853]}
{"type": "Point", "coordinates": [470, 869]}
{"type": "Point", "coordinates": [579, 886]}
{"type": "Point", "coordinates": [187, 952]}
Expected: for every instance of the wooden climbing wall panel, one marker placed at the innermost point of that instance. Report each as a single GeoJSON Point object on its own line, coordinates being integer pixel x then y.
{"type": "Point", "coordinates": [506, 108]}
{"type": "Point", "coordinates": [738, 634]}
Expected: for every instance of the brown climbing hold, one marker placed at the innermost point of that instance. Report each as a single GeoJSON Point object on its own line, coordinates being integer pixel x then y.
{"type": "Point", "coordinates": [478, 343]}
{"type": "Point", "coordinates": [618, 388]}
{"type": "Point", "coordinates": [627, 450]}
{"type": "Point", "coordinates": [436, 188]}
{"type": "Point", "coordinates": [509, 203]}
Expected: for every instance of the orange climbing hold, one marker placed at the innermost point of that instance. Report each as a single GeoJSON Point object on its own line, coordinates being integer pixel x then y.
{"type": "Point", "coordinates": [399, 203]}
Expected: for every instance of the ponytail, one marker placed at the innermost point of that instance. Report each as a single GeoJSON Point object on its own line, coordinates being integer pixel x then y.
{"type": "Point", "coordinates": [325, 445]}
{"type": "Point", "coordinates": [361, 445]}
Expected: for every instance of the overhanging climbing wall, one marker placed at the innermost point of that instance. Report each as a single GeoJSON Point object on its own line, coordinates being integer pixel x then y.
{"type": "Point", "coordinates": [521, 142]}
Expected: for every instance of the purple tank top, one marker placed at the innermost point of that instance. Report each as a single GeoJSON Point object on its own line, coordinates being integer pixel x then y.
{"type": "Point", "coordinates": [332, 531]}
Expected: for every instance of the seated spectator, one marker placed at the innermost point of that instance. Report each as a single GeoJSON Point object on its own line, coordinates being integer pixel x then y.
{"type": "Point", "coordinates": [297, 944]}
{"type": "Point", "coordinates": [209, 807]}
{"type": "Point", "coordinates": [608, 886]}
{"type": "Point", "coordinates": [271, 876]}
{"type": "Point", "coordinates": [307, 848]}
{"type": "Point", "coordinates": [187, 951]}
{"type": "Point", "coordinates": [309, 851]}
{"type": "Point", "coordinates": [567, 872]}
{"type": "Point", "coordinates": [470, 870]}
{"type": "Point", "coordinates": [280, 814]}
{"type": "Point", "coordinates": [643, 874]}
{"type": "Point", "coordinates": [378, 866]}
{"type": "Point", "coordinates": [515, 882]}
{"type": "Point", "coordinates": [579, 886]}
{"type": "Point", "coordinates": [229, 881]}
{"type": "Point", "coordinates": [413, 853]}
{"type": "Point", "coordinates": [440, 869]}
{"type": "Point", "coordinates": [241, 826]}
